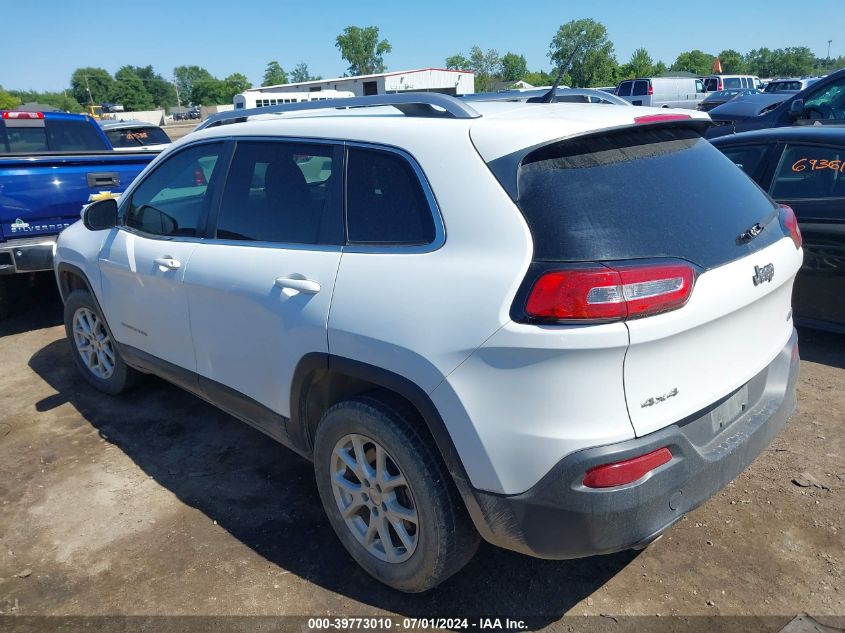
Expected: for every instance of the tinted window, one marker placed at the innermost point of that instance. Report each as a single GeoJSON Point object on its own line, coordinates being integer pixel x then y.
{"type": "Point", "coordinates": [282, 192]}
{"type": "Point", "coordinates": [746, 157]}
{"type": "Point", "coordinates": [173, 199]}
{"type": "Point", "coordinates": [625, 89]}
{"type": "Point", "coordinates": [385, 202]}
{"type": "Point", "coordinates": [137, 136]}
{"type": "Point", "coordinates": [810, 172]}
{"type": "Point", "coordinates": [52, 135]}
{"type": "Point", "coordinates": [827, 103]}
{"type": "Point", "coordinates": [640, 88]}
{"type": "Point", "coordinates": [732, 82]}
{"type": "Point", "coordinates": [711, 84]}
{"type": "Point", "coordinates": [637, 194]}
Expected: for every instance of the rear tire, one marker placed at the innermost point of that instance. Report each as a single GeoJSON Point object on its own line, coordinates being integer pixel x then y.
{"type": "Point", "coordinates": [411, 535]}
{"type": "Point", "coordinates": [93, 347]}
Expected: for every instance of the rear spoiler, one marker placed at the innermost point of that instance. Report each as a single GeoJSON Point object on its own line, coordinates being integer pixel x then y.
{"type": "Point", "coordinates": [506, 168]}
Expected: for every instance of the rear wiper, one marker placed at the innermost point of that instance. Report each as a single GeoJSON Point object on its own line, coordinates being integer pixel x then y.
{"type": "Point", "coordinates": [755, 229]}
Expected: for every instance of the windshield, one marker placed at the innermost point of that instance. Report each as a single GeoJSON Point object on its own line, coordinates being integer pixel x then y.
{"type": "Point", "coordinates": [137, 136]}
{"type": "Point", "coordinates": [640, 194]}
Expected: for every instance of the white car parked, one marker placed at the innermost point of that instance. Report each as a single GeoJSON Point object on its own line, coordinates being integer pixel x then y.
{"type": "Point", "coordinates": [538, 323]}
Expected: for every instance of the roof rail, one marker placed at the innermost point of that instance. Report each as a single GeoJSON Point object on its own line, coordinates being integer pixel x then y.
{"type": "Point", "coordinates": [416, 104]}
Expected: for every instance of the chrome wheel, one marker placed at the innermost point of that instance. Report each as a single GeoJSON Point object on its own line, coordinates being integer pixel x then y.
{"type": "Point", "coordinates": [374, 498]}
{"type": "Point", "coordinates": [93, 343]}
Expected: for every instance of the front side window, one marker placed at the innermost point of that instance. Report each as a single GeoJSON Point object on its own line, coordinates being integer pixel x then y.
{"type": "Point", "coordinates": [174, 199]}
{"type": "Point", "coordinates": [808, 172]}
{"type": "Point", "coordinates": [827, 103]}
{"type": "Point", "coordinates": [385, 202]}
{"type": "Point", "coordinates": [282, 192]}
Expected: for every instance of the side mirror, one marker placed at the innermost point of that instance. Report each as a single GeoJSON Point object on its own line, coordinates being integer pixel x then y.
{"type": "Point", "coordinates": [796, 109]}
{"type": "Point", "coordinates": [100, 215]}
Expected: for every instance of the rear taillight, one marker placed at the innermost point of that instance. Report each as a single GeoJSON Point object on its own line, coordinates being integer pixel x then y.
{"type": "Point", "coordinates": [650, 89]}
{"type": "Point", "coordinates": [23, 115]}
{"type": "Point", "coordinates": [199, 177]}
{"type": "Point", "coordinates": [608, 293]}
{"type": "Point", "coordinates": [627, 471]}
{"type": "Point", "coordinates": [721, 85]}
{"type": "Point", "coordinates": [790, 224]}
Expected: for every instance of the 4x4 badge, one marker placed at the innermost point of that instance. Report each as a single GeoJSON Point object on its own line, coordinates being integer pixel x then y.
{"type": "Point", "coordinates": [658, 399]}
{"type": "Point", "coordinates": [763, 274]}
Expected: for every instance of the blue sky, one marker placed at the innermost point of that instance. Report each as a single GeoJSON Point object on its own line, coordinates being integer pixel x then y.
{"type": "Point", "coordinates": [45, 40]}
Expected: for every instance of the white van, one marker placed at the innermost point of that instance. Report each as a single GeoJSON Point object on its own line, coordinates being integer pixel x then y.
{"type": "Point", "coordinates": [713, 83]}
{"type": "Point", "coordinates": [663, 92]}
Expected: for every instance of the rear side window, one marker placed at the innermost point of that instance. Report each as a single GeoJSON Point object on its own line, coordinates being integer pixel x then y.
{"type": "Point", "coordinates": [173, 199]}
{"type": "Point", "coordinates": [284, 193]}
{"type": "Point", "coordinates": [660, 192]}
{"type": "Point", "coordinates": [640, 88]}
{"type": "Point", "coordinates": [137, 137]}
{"type": "Point", "coordinates": [385, 201]}
{"type": "Point", "coordinates": [807, 172]}
{"type": "Point", "coordinates": [625, 88]}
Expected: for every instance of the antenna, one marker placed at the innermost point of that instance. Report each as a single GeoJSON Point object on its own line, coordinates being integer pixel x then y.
{"type": "Point", "coordinates": [549, 97]}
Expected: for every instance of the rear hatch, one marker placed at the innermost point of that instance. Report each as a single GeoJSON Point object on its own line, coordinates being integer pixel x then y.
{"type": "Point", "coordinates": [660, 198]}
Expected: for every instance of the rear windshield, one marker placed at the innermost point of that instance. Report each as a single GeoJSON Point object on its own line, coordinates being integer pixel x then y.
{"type": "Point", "coordinates": [625, 89]}
{"type": "Point", "coordinates": [55, 135]}
{"type": "Point", "coordinates": [137, 136]}
{"type": "Point", "coordinates": [640, 88]}
{"type": "Point", "coordinates": [639, 194]}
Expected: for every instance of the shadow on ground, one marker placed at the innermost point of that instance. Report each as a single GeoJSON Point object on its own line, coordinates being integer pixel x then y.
{"type": "Point", "coordinates": [35, 303]}
{"type": "Point", "coordinates": [265, 496]}
{"type": "Point", "coordinates": [825, 348]}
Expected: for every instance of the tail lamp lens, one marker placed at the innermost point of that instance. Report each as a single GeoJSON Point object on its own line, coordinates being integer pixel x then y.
{"type": "Point", "coordinates": [627, 471]}
{"type": "Point", "coordinates": [606, 293]}
{"type": "Point", "coordinates": [790, 224]}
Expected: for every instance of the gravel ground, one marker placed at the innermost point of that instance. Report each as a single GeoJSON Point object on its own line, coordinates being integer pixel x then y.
{"type": "Point", "coordinates": [155, 503]}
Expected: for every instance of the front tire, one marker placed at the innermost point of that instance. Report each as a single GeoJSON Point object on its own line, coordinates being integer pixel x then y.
{"type": "Point", "coordinates": [93, 347]}
{"type": "Point", "coordinates": [388, 494]}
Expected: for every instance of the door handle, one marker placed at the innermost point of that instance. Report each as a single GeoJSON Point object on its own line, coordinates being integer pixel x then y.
{"type": "Point", "coordinates": [168, 263]}
{"type": "Point", "coordinates": [305, 286]}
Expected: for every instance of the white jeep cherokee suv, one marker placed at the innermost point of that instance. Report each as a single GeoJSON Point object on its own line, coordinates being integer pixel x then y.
{"type": "Point", "coordinates": [556, 326]}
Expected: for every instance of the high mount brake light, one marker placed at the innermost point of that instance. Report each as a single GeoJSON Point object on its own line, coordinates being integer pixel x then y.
{"type": "Point", "coordinates": [627, 471]}
{"type": "Point", "coordinates": [606, 293]}
{"type": "Point", "coordinates": [23, 115]}
{"type": "Point", "coordinates": [660, 118]}
{"type": "Point", "coordinates": [790, 224]}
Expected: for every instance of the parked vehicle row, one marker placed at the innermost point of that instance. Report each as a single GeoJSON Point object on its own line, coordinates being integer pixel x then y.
{"type": "Point", "coordinates": [432, 333]}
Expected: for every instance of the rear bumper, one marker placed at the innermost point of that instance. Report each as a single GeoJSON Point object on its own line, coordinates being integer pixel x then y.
{"type": "Point", "coordinates": [560, 518]}
{"type": "Point", "coordinates": [28, 255]}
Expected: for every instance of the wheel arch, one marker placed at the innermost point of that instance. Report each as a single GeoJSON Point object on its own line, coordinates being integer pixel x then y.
{"type": "Point", "coordinates": [70, 278]}
{"type": "Point", "coordinates": [320, 380]}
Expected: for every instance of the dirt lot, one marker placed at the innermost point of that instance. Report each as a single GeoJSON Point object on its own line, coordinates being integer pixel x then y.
{"type": "Point", "coordinates": [156, 503]}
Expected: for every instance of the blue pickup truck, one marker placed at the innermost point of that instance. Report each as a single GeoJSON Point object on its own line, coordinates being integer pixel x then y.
{"type": "Point", "coordinates": [51, 164]}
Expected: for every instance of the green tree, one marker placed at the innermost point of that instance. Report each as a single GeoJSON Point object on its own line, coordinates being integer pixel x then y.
{"type": "Point", "coordinates": [793, 61]}
{"type": "Point", "coordinates": [594, 63]}
{"type": "Point", "coordinates": [61, 100]}
{"type": "Point", "coordinates": [760, 62]}
{"type": "Point", "coordinates": [539, 78]}
{"type": "Point", "coordinates": [8, 101]}
{"type": "Point", "coordinates": [130, 91]}
{"type": "Point", "coordinates": [733, 63]}
{"type": "Point", "coordinates": [300, 73]}
{"type": "Point", "coordinates": [361, 48]}
{"type": "Point", "coordinates": [161, 91]}
{"type": "Point", "coordinates": [458, 62]}
{"type": "Point", "coordinates": [487, 67]}
{"type": "Point", "coordinates": [695, 61]}
{"type": "Point", "coordinates": [187, 77]}
{"type": "Point", "coordinates": [274, 74]}
{"type": "Point", "coordinates": [660, 69]}
{"type": "Point", "coordinates": [98, 80]}
{"type": "Point", "coordinates": [234, 84]}
{"type": "Point", "coordinates": [514, 67]}
{"type": "Point", "coordinates": [640, 65]}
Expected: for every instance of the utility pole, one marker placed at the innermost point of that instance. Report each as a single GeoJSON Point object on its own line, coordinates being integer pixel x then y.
{"type": "Point", "coordinates": [88, 88]}
{"type": "Point", "coordinates": [828, 49]}
{"type": "Point", "coordinates": [178, 100]}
